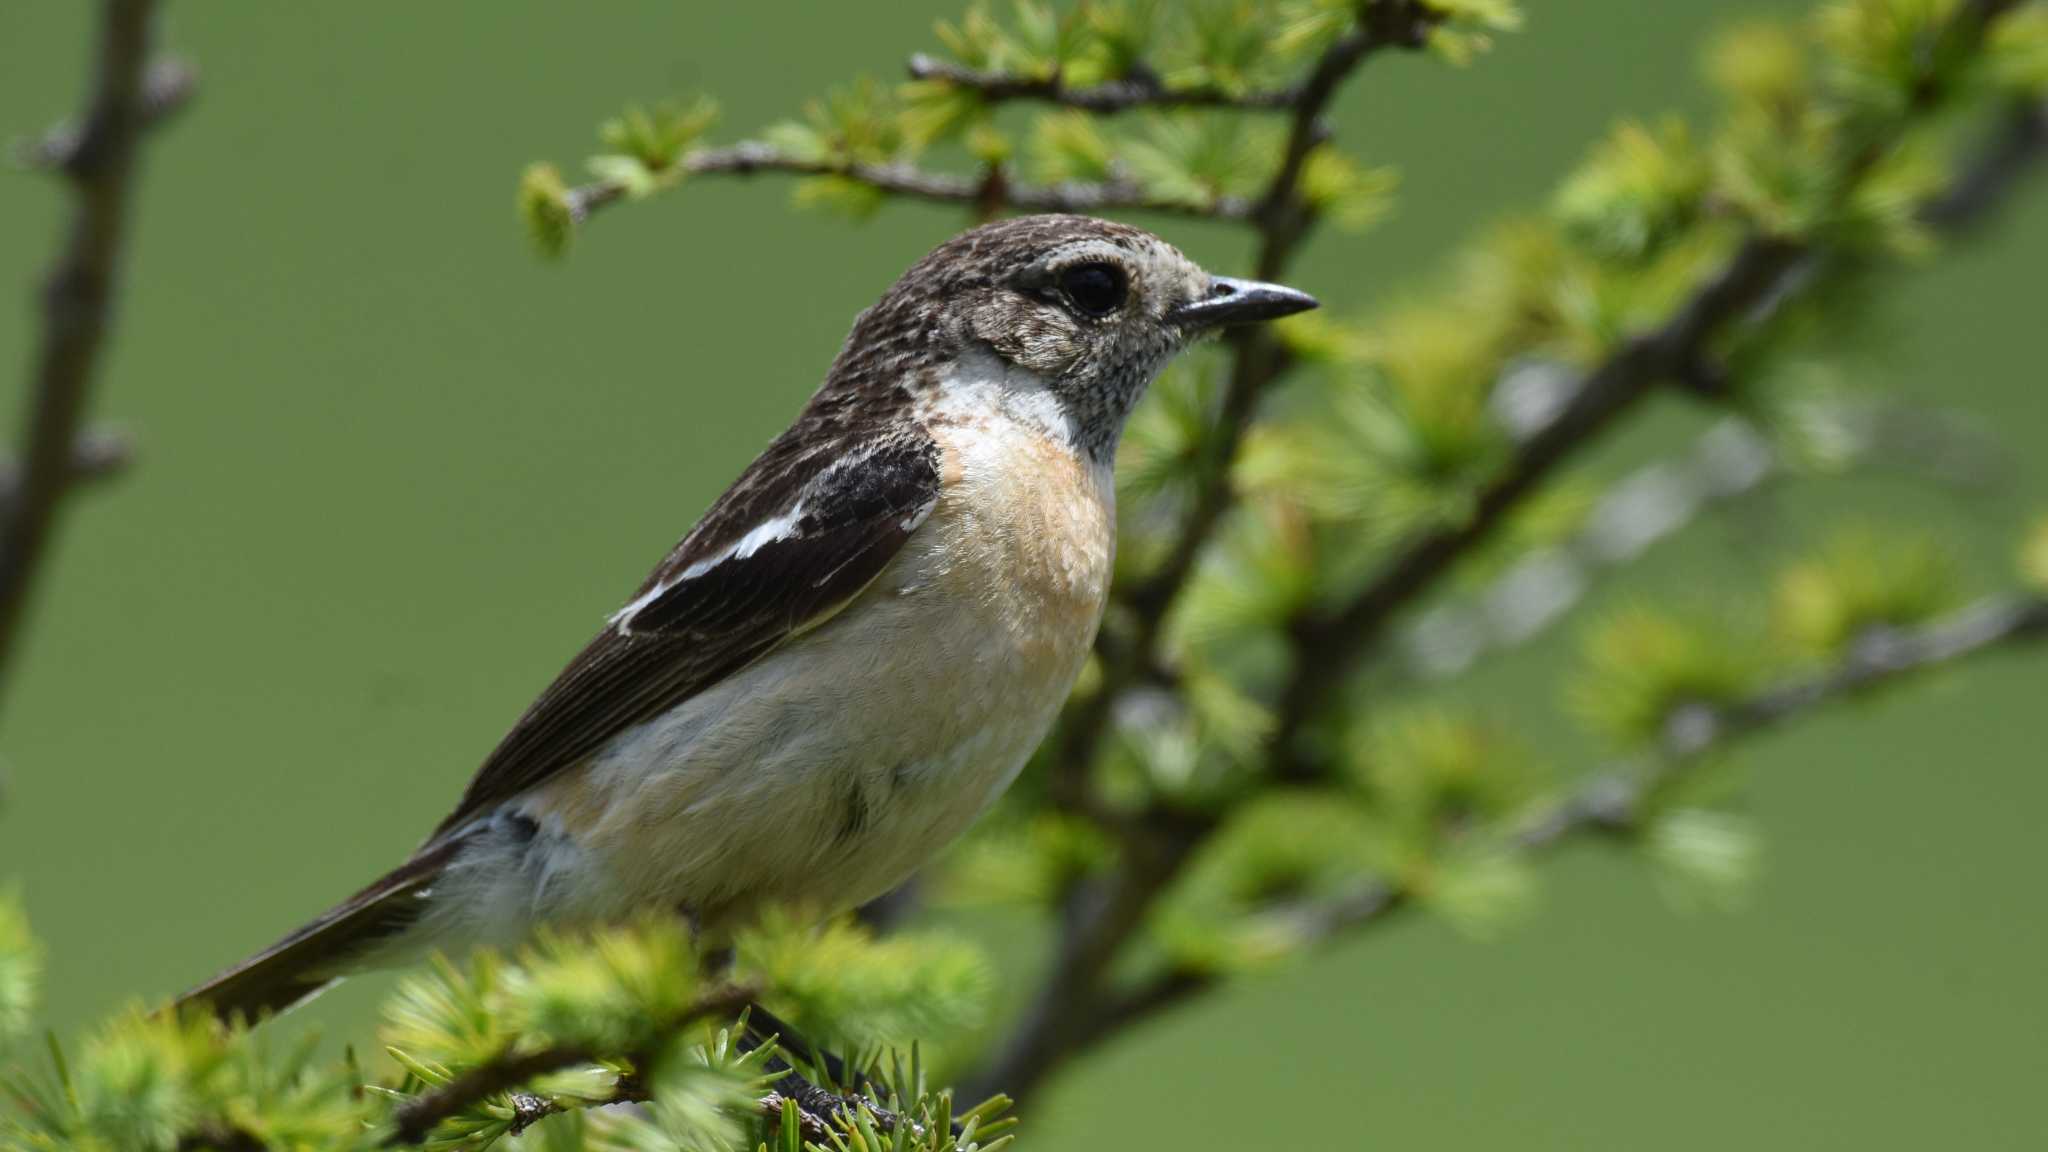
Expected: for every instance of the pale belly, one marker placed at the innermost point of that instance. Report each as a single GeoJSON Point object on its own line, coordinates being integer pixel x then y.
{"type": "Point", "coordinates": [827, 772]}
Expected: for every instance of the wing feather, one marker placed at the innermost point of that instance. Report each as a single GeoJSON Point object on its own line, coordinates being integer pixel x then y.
{"type": "Point", "coordinates": [795, 540]}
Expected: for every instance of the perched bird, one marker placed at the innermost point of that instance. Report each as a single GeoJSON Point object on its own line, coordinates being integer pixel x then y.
{"type": "Point", "coordinates": [853, 652]}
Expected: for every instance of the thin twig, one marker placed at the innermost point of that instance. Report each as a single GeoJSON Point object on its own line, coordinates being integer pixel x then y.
{"type": "Point", "coordinates": [221, 1137]}
{"type": "Point", "coordinates": [167, 87]}
{"type": "Point", "coordinates": [912, 182]}
{"type": "Point", "coordinates": [1142, 88]}
{"type": "Point", "coordinates": [528, 1109]}
{"type": "Point", "coordinates": [99, 159]}
{"type": "Point", "coordinates": [1617, 799]}
{"type": "Point", "coordinates": [816, 1107]}
{"type": "Point", "coordinates": [97, 455]}
{"type": "Point", "coordinates": [417, 1117]}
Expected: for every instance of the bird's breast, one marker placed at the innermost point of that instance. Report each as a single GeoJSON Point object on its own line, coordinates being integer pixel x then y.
{"type": "Point", "coordinates": [1021, 543]}
{"type": "Point", "coordinates": [862, 746]}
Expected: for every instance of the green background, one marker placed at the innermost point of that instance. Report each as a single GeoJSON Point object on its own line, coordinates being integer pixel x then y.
{"type": "Point", "coordinates": [394, 470]}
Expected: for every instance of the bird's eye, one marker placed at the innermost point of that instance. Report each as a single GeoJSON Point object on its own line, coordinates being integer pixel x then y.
{"type": "Point", "coordinates": [1095, 289]}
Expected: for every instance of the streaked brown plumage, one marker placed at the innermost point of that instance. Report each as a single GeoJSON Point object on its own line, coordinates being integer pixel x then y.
{"type": "Point", "coordinates": [853, 651]}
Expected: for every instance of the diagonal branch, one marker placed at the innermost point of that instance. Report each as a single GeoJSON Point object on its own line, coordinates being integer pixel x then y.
{"type": "Point", "coordinates": [1329, 642]}
{"type": "Point", "coordinates": [415, 1119]}
{"type": "Point", "coordinates": [1616, 800]}
{"type": "Point", "coordinates": [99, 158]}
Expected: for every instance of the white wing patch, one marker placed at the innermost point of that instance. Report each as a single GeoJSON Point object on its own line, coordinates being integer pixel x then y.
{"type": "Point", "coordinates": [823, 492]}
{"type": "Point", "coordinates": [783, 527]}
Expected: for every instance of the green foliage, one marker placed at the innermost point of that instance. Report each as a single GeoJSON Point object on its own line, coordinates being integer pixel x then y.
{"type": "Point", "coordinates": [1644, 663]}
{"type": "Point", "coordinates": [1863, 578]}
{"type": "Point", "coordinates": [1234, 911]}
{"type": "Point", "coordinates": [1033, 43]}
{"type": "Point", "coordinates": [632, 994]}
{"type": "Point", "coordinates": [150, 1083]}
{"type": "Point", "coordinates": [612, 991]}
{"type": "Point", "coordinates": [1445, 793]}
{"type": "Point", "coordinates": [2034, 555]}
{"type": "Point", "coordinates": [1430, 775]}
{"type": "Point", "coordinates": [902, 1090]}
{"type": "Point", "coordinates": [855, 124]}
{"type": "Point", "coordinates": [645, 147]}
{"type": "Point", "coordinates": [1198, 160]}
{"type": "Point", "coordinates": [1027, 861]}
{"type": "Point", "coordinates": [21, 971]}
{"type": "Point", "coordinates": [1704, 858]}
{"type": "Point", "coordinates": [1352, 195]}
{"type": "Point", "coordinates": [545, 209]}
{"type": "Point", "coordinates": [1641, 187]}
{"type": "Point", "coordinates": [840, 984]}
{"type": "Point", "coordinates": [624, 1013]}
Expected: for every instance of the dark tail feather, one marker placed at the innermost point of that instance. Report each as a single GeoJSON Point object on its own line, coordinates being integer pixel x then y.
{"type": "Point", "coordinates": [309, 959]}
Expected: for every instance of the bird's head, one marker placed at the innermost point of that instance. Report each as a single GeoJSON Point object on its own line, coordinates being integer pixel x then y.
{"type": "Point", "coordinates": [1085, 310]}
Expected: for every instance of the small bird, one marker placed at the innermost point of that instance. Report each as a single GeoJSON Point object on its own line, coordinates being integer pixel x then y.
{"type": "Point", "coordinates": [855, 650]}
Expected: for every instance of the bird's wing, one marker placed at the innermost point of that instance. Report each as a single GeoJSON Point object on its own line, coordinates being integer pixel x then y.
{"type": "Point", "coordinates": [802, 532]}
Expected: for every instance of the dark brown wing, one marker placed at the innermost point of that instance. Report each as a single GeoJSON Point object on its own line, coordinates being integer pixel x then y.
{"type": "Point", "coordinates": [792, 542]}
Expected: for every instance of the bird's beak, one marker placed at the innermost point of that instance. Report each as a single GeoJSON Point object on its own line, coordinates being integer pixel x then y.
{"type": "Point", "coordinates": [1232, 301]}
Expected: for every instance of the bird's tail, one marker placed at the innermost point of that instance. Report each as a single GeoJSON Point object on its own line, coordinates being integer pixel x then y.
{"type": "Point", "coordinates": [309, 959]}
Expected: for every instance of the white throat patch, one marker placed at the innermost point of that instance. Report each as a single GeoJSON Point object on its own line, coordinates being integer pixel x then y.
{"type": "Point", "coordinates": [982, 383]}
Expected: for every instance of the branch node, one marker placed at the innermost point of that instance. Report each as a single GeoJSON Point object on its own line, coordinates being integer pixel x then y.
{"type": "Point", "coordinates": [69, 148]}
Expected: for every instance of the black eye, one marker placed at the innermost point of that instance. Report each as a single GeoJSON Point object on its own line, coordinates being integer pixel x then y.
{"type": "Point", "coordinates": [1096, 289]}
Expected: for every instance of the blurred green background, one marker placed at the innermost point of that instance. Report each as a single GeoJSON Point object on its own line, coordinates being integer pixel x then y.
{"type": "Point", "coordinates": [394, 470]}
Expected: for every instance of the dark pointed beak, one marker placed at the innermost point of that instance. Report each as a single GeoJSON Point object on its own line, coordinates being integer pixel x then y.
{"type": "Point", "coordinates": [1232, 301]}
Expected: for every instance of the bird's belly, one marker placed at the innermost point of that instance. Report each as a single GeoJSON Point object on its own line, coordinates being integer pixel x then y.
{"type": "Point", "coordinates": [828, 771]}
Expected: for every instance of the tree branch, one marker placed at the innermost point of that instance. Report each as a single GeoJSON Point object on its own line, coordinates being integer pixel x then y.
{"type": "Point", "coordinates": [752, 158]}
{"type": "Point", "coordinates": [2017, 144]}
{"type": "Point", "coordinates": [1616, 799]}
{"type": "Point", "coordinates": [1142, 88]}
{"type": "Point", "coordinates": [414, 1120]}
{"type": "Point", "coordinates": [1328, 642]}
{"type": "Point", "coordinates": [1733, 459]}
{"type": "Point", "coordinates": [816, 1107]}
{"type": "Point", "coordinates": [167, 86]}
{"type": "Point", "coordinates": [100, 160]}
{"type": "Point", "coordinates": [97, 455]}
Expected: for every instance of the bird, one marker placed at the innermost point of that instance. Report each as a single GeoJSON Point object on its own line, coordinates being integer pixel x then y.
{"type": "Point", "coordinates": [852, 653]}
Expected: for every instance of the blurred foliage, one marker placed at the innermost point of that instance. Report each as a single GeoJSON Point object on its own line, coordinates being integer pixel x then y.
{"type": "Point", "coordinates": [2034, 555]}
{"type": "Point", "coordinates": [1861, 580]}
{"type": "Point", "coordinates": [619, 1014]}
{"type": "Point", "coordinates": [1645, 663]}
{"type": "Point", "coordinates": [21, 970]}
